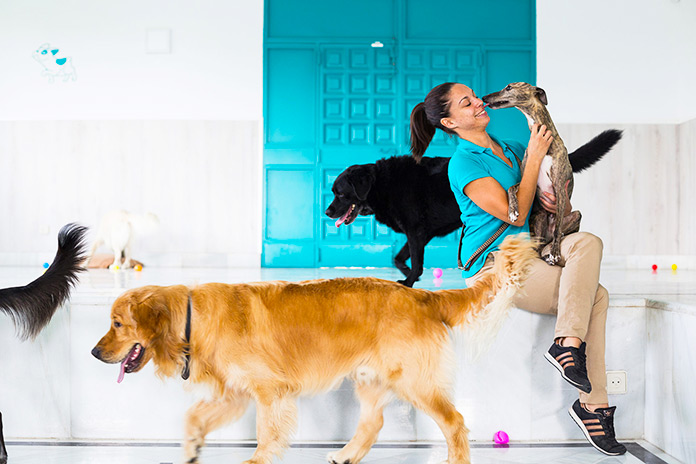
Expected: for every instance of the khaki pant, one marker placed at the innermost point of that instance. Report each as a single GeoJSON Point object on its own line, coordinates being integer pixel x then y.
{"type": "Point", "coordinates": [574, 294]}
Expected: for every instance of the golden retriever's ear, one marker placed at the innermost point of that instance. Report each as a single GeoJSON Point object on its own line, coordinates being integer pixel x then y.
{"type": "Point", "coordinates": [152, 315]}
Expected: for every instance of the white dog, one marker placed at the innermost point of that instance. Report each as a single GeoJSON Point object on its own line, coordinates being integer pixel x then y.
{"type": "Point", "coordinates": [116, 231]}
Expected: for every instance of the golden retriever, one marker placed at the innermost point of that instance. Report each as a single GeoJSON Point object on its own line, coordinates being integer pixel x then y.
{"type": "Point", "coordinates": [274, 341]}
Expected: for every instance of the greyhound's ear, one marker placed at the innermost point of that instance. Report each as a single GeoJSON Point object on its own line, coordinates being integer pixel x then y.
{"type": "Point", "coordinates": [362, 180]}
{"type": "Point", "coordinates": [541, 95]}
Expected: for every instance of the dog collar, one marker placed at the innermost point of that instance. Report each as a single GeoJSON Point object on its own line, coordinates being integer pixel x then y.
{"type": "Point", "coordinates": [187, 347]}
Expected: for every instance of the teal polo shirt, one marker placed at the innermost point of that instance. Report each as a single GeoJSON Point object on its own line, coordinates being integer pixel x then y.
{"type": "Point", "coordinates": [471, 162]}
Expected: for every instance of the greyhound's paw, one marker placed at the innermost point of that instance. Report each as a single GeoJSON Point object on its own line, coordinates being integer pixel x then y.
{"type": "Point", "coordinates": [513, 216]}
{"type": "Point", "coordinates": [334, 458]}
{"type": "Point", "coordinates": [552, 259]}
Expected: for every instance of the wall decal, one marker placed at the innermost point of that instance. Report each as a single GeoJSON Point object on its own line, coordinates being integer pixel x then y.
{"type": "Point", "coordinates": [54, 65]}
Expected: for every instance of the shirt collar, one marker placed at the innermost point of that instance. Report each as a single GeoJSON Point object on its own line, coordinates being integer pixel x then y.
{"type": "Point", "coordinates": [473, 148]}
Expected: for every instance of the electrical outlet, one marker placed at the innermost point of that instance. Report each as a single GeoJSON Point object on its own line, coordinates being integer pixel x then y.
{"type": "Point", "coordinates": [616, 382]}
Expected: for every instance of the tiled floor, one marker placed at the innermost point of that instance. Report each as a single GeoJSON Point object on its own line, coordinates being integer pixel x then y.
{"type": "Point", "coordinates": [573, 453]}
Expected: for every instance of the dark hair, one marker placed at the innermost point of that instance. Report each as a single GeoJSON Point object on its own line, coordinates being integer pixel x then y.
{"type": "Point", "coordinates": [426, 116]}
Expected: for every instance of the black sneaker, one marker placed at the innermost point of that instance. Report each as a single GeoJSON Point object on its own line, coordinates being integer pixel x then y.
{"type": "Point", "coordinates": [570, 362]}
{"type": "Point", "coordinates": [598, 428]}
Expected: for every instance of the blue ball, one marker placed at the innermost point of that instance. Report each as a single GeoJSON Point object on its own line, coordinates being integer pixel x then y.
{"type": "Point", "coordinates": [45, 265]}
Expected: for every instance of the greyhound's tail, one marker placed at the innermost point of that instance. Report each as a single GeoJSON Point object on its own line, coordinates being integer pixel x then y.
{"type": "Point", "coordinates": [483, 307]}
{"type": "Point", "coordinates": [31, 307]}
{"type": "Point", "coordinates": [594, 150]}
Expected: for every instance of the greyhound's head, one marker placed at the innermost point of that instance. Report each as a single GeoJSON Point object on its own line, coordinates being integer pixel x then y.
{"type": "Point", "coordinates": [518, 94]}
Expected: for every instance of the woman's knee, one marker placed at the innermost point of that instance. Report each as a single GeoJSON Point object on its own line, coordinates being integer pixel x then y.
{"type": "Point", "coordinates": [587, 240]}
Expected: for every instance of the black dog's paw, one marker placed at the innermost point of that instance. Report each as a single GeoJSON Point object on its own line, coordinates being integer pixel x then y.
{"type": "Point", "coordinates": [405, 282]}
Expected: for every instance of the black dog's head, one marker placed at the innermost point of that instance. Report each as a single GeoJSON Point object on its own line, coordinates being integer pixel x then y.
{"type": "Point", "coordinates": [350, 191]}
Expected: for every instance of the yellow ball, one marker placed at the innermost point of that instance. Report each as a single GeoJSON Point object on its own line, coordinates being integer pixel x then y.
{"type": "Point", "coordinates": [116, 268]}
{"type": "Point", "coordinates": [674, 267]}
{"type": "Point", "coordinates": [138, 267]}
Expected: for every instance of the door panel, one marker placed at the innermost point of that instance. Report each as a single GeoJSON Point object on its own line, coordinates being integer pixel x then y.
{"type": "Point", "coordinates": [360, 120]}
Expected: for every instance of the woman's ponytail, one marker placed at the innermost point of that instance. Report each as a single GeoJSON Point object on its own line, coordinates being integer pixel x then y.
{"type": "Point", "coordinates": [422, 131]}
{"type": "Point", "coordinates": [426, 116]}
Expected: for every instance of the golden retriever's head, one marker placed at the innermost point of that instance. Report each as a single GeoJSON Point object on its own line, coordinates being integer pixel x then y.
{"type": "Point", "coordinates": [146, 323]}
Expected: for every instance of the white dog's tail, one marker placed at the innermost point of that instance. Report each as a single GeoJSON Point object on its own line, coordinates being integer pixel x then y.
{"type": "Point", "coordinates": [483, 307]}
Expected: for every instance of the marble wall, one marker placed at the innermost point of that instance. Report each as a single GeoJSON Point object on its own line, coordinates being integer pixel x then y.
{"type": "Point", "coordinates": [202, 178]}
{"type": "Point", "coordinates": [670, 404]}
{"type": "Point", "coordinates": [637, 198]}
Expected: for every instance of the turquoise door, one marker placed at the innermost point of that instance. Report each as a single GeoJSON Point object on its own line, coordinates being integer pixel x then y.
{"type": "Point", "coordinates": [340, 80]}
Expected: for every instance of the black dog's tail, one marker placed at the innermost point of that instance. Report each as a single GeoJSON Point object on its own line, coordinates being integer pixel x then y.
{"type": "Point", "coordinates": [31, 307]}
{"type": "Point", "coordinates": [594, 150]}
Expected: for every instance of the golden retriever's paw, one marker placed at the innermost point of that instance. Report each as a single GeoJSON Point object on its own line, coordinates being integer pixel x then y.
{"type": "Point", "coordinates": [335, 458]}
{"type": "Point", "coordinates": [192, 451]}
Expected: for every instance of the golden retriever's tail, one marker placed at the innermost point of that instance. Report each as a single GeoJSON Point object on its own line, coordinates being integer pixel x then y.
{"type": "Point", "coordinates": [483, 307]}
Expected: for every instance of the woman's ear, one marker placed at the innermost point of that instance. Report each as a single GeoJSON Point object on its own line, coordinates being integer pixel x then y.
{"type": "Point", "coordinates": [448, 123]}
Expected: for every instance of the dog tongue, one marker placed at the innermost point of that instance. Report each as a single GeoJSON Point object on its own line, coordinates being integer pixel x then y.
{"type": "Point", "coordinates": [343, 218]}
{"type": "Point", "coordinates": [123, 371]}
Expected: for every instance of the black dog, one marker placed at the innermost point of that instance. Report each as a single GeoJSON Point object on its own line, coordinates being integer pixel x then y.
{"type": "Point", "coordinates": [31, 307]}
{"type": "Point", "coordinates": [416, 199]}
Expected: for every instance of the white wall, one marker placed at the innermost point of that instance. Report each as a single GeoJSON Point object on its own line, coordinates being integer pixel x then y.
{"type": "Point", "coordinates": [214, 71]}
{"type": "Point", "coordinates": [618, 61]}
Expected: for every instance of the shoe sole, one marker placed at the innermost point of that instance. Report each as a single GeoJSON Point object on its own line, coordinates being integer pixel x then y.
{"type": "Point", "coordinates": [579, 423]}
{"type": "Point", "coordinates": [555, 364]}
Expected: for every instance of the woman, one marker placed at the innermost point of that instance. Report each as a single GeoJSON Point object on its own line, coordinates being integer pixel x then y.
{"type": "Point", "coordinates": [480, 172]}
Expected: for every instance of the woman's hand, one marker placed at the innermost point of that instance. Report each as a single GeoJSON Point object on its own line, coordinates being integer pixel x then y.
{"type": "Point", "coordinates": [539, 142]}
{"type": "Point", "coordinates": [548, 201]}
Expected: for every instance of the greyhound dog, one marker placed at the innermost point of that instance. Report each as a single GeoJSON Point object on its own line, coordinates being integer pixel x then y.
{"type": "Point", "coordinates": [555, 173]}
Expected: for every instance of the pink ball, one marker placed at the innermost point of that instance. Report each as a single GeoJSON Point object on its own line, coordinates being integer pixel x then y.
{"type": "Point", "coordinates": [437, 272]}
{"type": "Point", "coordinates": [501, 438]}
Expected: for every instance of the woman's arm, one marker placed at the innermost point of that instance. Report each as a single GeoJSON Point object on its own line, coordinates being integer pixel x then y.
{"type": "Point", "coordinates": [488, 194]}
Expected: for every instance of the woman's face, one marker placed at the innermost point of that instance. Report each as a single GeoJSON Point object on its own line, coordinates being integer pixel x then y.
{"type": "Point", "coordinates": [466, 110]}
